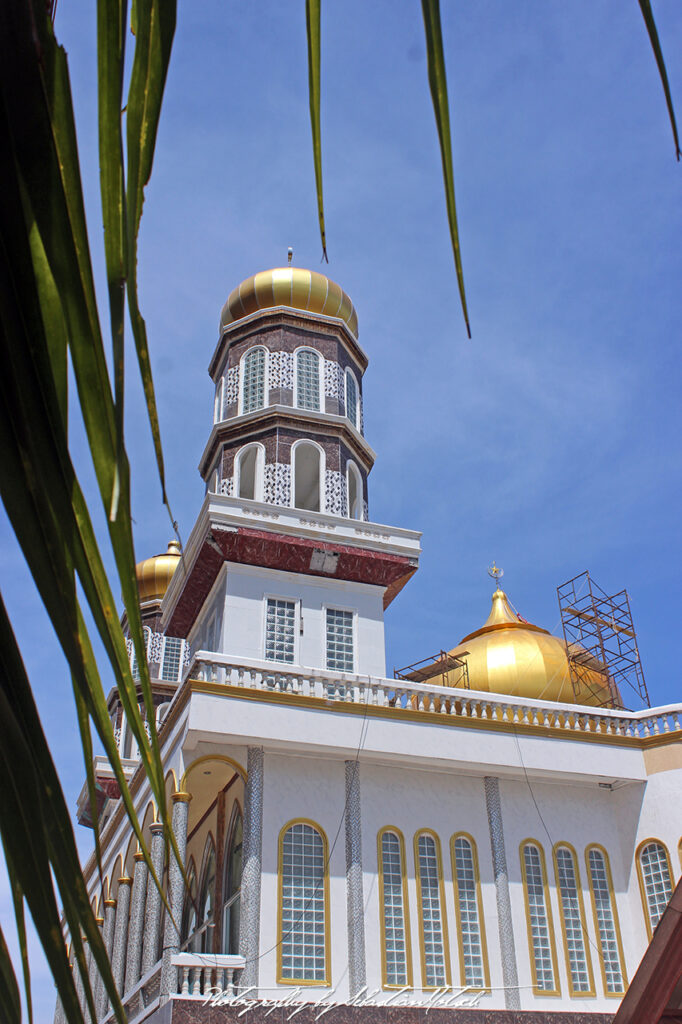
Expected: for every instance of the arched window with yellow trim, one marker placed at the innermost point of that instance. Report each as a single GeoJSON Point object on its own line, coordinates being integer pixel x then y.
{"type": "Point", "coordinates": [206, 908]}
{"type": "Point", "coordinates": [573, 925]}
{"type": "Point", "coordinates": [473, 953]}
{"type": "Point", "coordinates": [541, 947]}
{"type": "Point", "coordinates": [396, 959]}
{"type": "Point", "coordinates": [433, 931]}
{"type": "Point", "coordinates": [605, 912]}
{"type": "Point", "coordinates": [189, 909]}
{"type": "Point", "coordinates": [232, 882]}
{"type": "Point", "coordinates": [303, 942]}
{"type": "Point", "coordinates": [655, 880]}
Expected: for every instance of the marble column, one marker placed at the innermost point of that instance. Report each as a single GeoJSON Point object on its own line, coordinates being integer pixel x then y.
{"type": "Point", "coordinates": [510, 975]}
{"type": "Point", "coordinates": [136, 926]}
{"type": "Point", "coordinates": [102, 999]}
{"type": "Point", "coordinates": [252, 859]}
{"type": "Point", "coordinates": [176, 893]}
{"type": "Point", "coordinates": [355, 902]}
{"type": "Point", "coordinates": [118, 956]}
{"type": "Point", "coordinates": [152, 907]}
{"type": "Point", "coordinates": [93, 973]}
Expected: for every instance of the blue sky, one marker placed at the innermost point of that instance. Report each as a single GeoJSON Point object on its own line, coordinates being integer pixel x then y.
{"type": "Point", "coordinates": [549, 442]}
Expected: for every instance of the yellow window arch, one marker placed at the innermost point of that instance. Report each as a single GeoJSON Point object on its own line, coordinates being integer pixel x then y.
{"type": "Point", "coordinates": [433, 924]}
{"type": "Point", "coordinates": [473, 949]}
{"type": "Point", "coordinates": [541, 945]}
{"type": "Point", "coordinates": [655, 875]}
{"type": "Point", "coordinates": [394, 910]}
{"type": "Point", "coordinates": [303, 946]}
{"type": "Point", "coordinates": [606, 925]}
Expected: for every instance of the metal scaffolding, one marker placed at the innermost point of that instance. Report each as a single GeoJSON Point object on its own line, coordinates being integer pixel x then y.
{"type": "Point", "coordinates": [453, 671]}
{"type": "Point", "coordinates": [600, 641]}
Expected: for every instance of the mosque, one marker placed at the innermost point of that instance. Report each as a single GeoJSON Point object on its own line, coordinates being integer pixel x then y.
{"type": "Point", "coordinates": [476, 836]}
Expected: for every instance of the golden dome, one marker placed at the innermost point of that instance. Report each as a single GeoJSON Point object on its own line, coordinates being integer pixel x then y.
{"type": "Point", "coordinates": [290, 286]}
{"type": "Point", "coordinates": [154, 574]}
{"type": "Point", "coordinates": [510, 656]}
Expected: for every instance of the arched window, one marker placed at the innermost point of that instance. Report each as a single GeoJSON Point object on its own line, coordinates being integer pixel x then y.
{"type": "Point", "coordinates": [396, 959]}
{"type": "Point", "coordinates": [206, 908]}
{"type": "Point", "coordinates": [473, 954]}
{"type": "Point", "coordinates": [539, 920]}
{"type": "Point", "coordinates": [232, 883]}
{"type": "Point", "coordinates": [218, 406]}
{"type": "Point", "coordinates": [580, 977]}
{"type": "Point", "coordinates": [606, 924]}
{"type": "Point", "coordinates": [354, 491]}
{"type": "Point", "coordinates": [655, 880]}
{"type": "Point", "coordinates": [433, 930]}
{"type": "Point", "coordinates": [189, 909]}
{"type": "Point", "coordinates": [253, 380]}
{"type": "Point", "coordinates": [308, 476]}
{"type": "Point", "coordinates": [303, 948]}
{"type": "Point", "coordinates": [308, 379]}
{"type": "Point", "coordinates": [352, 399]}
{"type": "Point", "coordinates": [249, 472]}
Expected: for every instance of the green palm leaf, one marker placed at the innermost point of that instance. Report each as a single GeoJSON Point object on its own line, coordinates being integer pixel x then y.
{"type": "Point", "coordinates": [312, 21]}
{"type": "Point", "coordinates": [648, 16]}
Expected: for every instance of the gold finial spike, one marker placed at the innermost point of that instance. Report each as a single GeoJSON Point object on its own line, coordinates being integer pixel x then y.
{"type": "Point", "coordinates": [290, 255]}
{"type": "Point", "coordinates": [496, 573]}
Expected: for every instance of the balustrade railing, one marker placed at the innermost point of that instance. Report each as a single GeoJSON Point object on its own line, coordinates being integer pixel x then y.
{"type": "Point", "coordinates": [449, 702]}
{"type": "Point", "coordinates": [203, 974]}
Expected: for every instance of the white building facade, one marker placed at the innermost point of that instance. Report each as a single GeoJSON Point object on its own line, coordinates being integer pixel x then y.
{"type": "Point", "coordinates": [349, 837]}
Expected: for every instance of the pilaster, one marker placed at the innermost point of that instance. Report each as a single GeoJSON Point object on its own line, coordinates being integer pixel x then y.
{"type": "Point", "coordinates": [357, 971]}
{"type": "Point", "coordinates": [176, 892]}
{"type": "Point", "coordinates": [510, 975]}
{"type": "Point", "coordinates": [249, 925]}
{"type": "Point", "coordinates": [152, 907]}
{"type": "Point", "coordinates": [136, 926]}
{"type": "Point", "coordinates": [118, 955]}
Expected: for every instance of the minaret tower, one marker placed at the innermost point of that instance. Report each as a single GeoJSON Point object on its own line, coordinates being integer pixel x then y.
{"type": "Point", "coordinates": [283, 564]}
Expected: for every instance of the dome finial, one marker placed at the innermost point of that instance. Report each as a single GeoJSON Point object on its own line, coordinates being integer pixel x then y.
{"type": "Point", "coordinates": [290, 255]}
{"type": "Point", "coordinates": [496, 573]}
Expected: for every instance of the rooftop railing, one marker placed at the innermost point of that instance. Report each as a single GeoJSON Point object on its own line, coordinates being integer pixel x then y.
{"type": "Point", "coordinates": [448, 702]}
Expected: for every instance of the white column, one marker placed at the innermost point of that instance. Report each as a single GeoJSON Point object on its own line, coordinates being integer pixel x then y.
{"type": "Point", "coordinates": [355, 902]}
{"type": "Point", "coordinates": [176, 893]}
{"type": "Point", "coordinates": [252, 854]}
{"type": "Point", "coordinates": [152, 908]}
{"type": "Point", "coordinates": [510, 974]}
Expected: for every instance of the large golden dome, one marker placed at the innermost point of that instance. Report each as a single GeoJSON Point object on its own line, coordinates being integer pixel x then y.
{"type": "Point", "coordinates": [290, 286]}
{"type": "Point", "coordinates": [155, 574]}
{"type": "Point", "coordinates": [510, 656]}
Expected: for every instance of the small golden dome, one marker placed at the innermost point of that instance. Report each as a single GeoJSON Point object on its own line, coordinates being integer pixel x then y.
{"type": "Point", "coordinates": [290, 286]}
{"type": "Point", "coordinates": [155, 574]}
{"type": "Point", "coordinates": [510, 656]}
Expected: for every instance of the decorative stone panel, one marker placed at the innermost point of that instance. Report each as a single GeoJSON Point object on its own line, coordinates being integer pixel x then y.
{"type": "Point", "coordinates": [280, 371]}
{"type": "Point", "coordinates": [154, 648]}
{"type": "Point", "coordinates": [231, 392]}
{"type": "Point", "coordinates": [226, 486]}
{"type": "Point", "coordinates": [333, 381]}
{"type": "Point", "coordinates": [277, 484]}
{"type": "Point", "coordinates": [336, 501]}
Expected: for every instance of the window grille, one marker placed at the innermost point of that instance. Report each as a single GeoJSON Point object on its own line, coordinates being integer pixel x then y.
{"type": "Point", "coordinates": [339, 640]}
{"type": "Point", "coordinates": [307, 379]}
{"type": "Point", "coordinates": [572, 917]}
{"type": "Point", "coordinates": [280, 622]}
{"type": "Point", "coordinates": [469, 913]}
{"type": "Point", "coordinates": [254, 380]}
{"type": "Point", "coordinates": [431, 913]}
{"type": "Point", "coordinates": [655, 869]}
{"type": "Point", "coordinates": [351, 398]}
{"type": "Point", "coordinates": [606, 921]}
{"type": "Point", "coordinates": [303, 910]}
{"type": "Point", "coordinates": [393, 911]}
{"type": "Point", "coordinates": [538, 920]}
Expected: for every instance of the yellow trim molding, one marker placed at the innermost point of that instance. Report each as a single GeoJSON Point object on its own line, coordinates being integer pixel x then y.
{"type": "Point", "coordinates": [458, 912]}
{"type": "Point", "coordinates": [575, 994]}
{"type": "Point", "coordinates": [443, 909]}
{"type": "Point", "coordinates": [556, 991]}
{"type": "Point", "coordinates": [406, 907]}
{"type": "Point", "coordinates": [616, 923]}
{"type": "Point", "coordinates": [327, 907]}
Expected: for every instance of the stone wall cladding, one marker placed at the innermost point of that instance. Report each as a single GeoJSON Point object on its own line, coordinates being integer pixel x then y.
{"type": "Point", "coordinates": [277, 484]}
{"type": "Point", "coordinates": [336, 500]}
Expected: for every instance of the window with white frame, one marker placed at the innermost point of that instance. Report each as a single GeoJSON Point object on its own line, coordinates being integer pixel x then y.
{"type": "Point", "coordinates": [303, 907]}
{"type": "Point", "coordinates": [393, 903]}
{"type": "Point", "coordinates": [253, 385]}
{"type": "Point", "coordinates": [352, 402]}
{"type": "Point", "coordinates": [539, 933]}
{"type": "Point", "coordinates": [250, 472]}
{"type": "Point", "coordinates": [280, 630]}
{"type": "Point", "coordinates": [606, 921]}
{"type": "Point", "coordinates": [572, 920]}
{"type": "Point", "coordinates": [132, 653]}
{"type": "Point", "coordinates": [469, 913]}
{"type": "Point", "coordinates": [172, 658]}
{"type": "Point", "coordinates": [431, 911]}
{"type": "Point", "coordinates": [307, 471]}
{"type": "Point", "coordinates": [218, 407]}
{"type": "Point", "coordinates": [340, 655]}
{"type": "Point", "coordinates": [307, 379]}
{"type": "Point", "coordinates": [655, 873]}
{"type": "Point", "coordinates": [354, 491]}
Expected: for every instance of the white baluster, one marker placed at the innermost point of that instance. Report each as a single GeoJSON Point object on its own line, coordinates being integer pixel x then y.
{"type": "Point", "coordinates": [229, 979]}
{"type": "Point", "coordinates": [196, 981]}
{"type": "Point", "coordinates": [185, 981]}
